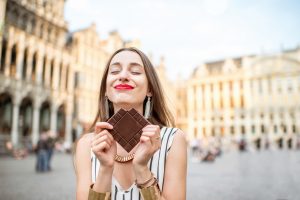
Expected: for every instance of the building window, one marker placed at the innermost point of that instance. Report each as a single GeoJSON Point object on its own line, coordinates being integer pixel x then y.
{"type": "Point", "coordinates": [44, 70]}
{"type": "Point", "coordinates": [294, 128]}
{"type": "Point", "coordinates": [242, 101]}
{"type": "Point", "coordinates": [284, 129]}
{"type": "Point", "coordinates": [34, 61]}
{"type": "Point", "coordinates": [213, 132]}
{"type": "Point", "coordinates": [243, 130]}
{"type": "Point", "coordinates": [253, 129]}
{"type": "Point", "coordinates": [67, 78]}
{"type": "Point", "coordinates": [3, 55]}
{"type": "Point", "coordinates": [232, 130]}
{"type": "Point", "coordinates": [262, 129]}
{"type": "Point", "coordinates": [13, 60]}
{"type": "Point", "coordinates": [51, 73]}
{"type": "Point", "coordinates": [24, 64]}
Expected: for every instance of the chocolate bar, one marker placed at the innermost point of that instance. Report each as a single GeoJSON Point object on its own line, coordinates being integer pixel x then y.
{"type": "Point", "coordinates": [127, 127]}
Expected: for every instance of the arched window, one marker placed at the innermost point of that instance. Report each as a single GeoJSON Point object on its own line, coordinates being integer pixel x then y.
{"type": "Point", "coordinates": [41, 31]}
{"type": "Point", "coordinates": [67, 77]}
{"type": "Point", "coordinates": [24, 64]}
{"type": "Point", "coordinates": [44, 70]}
{"type": "Point", "coordinates": [60, 75]}
{"type": "Point", "coordinates": [34, 61]}
{"type": "Point", "coordinates": [13, 60]}
{"type": "Point", "coordinates": [3, 55]}
{"type": "Point", "coordinates": [24, 22]}
{"type": "Point", "coordinates": [51, 73]}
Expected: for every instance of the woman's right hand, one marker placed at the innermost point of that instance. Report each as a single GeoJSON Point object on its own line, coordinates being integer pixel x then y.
{"type": "Point", "coordinates": [103, 144]}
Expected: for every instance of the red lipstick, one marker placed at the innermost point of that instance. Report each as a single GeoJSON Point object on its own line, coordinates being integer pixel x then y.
{"type": "Point", "coordinates": [123, 87]}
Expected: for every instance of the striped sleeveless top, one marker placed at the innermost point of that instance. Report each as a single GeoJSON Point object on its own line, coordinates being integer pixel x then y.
{"type": "Point", "coordinates": [156, 165]}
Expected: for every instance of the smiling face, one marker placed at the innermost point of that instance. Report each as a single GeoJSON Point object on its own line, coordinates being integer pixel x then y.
{"type": "Point", "coordinates": [127, 83]}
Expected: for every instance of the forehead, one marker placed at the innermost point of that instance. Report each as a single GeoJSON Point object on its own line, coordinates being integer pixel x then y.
{"type": "Point", "coordinates": [126, 57]}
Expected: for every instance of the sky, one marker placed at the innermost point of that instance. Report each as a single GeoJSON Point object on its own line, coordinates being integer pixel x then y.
{"type": "Point", "coordinates": [188, 33]}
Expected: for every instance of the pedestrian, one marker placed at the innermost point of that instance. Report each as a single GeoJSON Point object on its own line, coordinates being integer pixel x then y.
{"type": "Point", "coordinates": [42, 153]}
{"type": "Point", "coordinates": [51, 140]}
{"type": "Point", "coordinates": [156, 167]}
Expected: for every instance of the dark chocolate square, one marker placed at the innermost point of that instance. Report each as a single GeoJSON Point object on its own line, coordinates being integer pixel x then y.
{"type": "Point", "coordinates": [127, 127]}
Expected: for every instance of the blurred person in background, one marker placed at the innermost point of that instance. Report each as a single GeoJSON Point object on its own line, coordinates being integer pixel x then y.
{"type": "Point", "coordinates": [42, 153]}
{"type": "Point", "coordinates": [51, 140]}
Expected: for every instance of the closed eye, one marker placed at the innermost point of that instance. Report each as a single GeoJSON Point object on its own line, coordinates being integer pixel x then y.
{"type": "Point", "coordinates": [115, 72]}
{"type": "Point", "coordinates": [136, 73]}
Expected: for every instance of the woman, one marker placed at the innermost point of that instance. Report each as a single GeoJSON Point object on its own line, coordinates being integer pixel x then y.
{"type": "Point", "coordinates": [157, 164]}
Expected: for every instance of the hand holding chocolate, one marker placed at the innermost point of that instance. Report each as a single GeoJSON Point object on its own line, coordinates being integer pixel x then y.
{"type": "Point", "coordinates": [127, 127]}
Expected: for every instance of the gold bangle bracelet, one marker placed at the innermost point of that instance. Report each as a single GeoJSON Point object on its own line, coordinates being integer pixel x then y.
{"type": "Point", "coordinates": [152, 192]}
{"type": "Point", "coordinates": [93, 195]}
{"type": "Point", "coordinates": [142, 185]}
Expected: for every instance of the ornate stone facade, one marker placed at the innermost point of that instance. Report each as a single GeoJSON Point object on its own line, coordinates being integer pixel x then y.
{"type": "Point", "coordinates": [256, 97]}
{"type": "Point", "coordinates": [49, 77]}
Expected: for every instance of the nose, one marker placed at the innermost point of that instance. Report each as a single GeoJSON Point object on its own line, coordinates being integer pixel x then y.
{"type": "Point", "coordinates": [124, 75]}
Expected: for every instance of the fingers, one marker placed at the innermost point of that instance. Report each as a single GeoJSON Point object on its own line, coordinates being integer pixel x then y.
{"type": "Point", "coordinates": [151, 134]}
{"type": "Point", "coordinates": [102, 125]}
{"type": "Point", "coordinates": [102, 141]}
{"type": "Point", "coordinates": [151, 127]}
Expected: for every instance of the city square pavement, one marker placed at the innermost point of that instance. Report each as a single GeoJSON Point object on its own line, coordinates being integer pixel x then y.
{"type": "Point", "coordinates": [266, 175]}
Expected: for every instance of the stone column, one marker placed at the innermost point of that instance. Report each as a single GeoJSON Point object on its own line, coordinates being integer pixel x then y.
{"type": "Point", "coordinates": [56, 75]}
{"type": "Point", "coordinates": [63, 78]}
{"type": "Point", "coordinates": [226, 95]}
{"type": "Point", "coordinates": [29, 65]}
{"type": "Point", "coordinates": [7, 57]}
{"type": "Point", "coordinates": [47, 73]}
{"type": "Point", "coordinates": [236, 93]}
{"type": "Point", "coordinates": [20, 56]}
{"type": "Point", "coordinates": [71, 77]}
{"type": "Point", "coordinates": [36, 122]}
{"type": "Point", "coordinates": [53, 120]}
{"type": "Point", "coordinates": [68, 130]}
{"type": "Point", "coordinates": [207, 96]}
{"type": "Point", "coordinates": [216, 95]}
{"type": "Point", "coordinates": [198, 100]}
{"type": "Point", "coordinates": [15, 122]}
{"type": "Point", "coordinates": [39, 67]}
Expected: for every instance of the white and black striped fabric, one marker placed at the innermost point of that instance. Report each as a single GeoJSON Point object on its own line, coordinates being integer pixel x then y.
{"type": "Point", "coordinates": [156, 165]}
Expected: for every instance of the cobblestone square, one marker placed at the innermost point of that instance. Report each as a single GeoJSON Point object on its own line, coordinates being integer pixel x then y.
{"type": "Point", "coordinates": [265, 175]}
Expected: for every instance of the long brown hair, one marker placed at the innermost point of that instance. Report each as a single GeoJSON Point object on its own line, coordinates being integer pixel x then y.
{"type": "Point", "coordinates": [160, 114]}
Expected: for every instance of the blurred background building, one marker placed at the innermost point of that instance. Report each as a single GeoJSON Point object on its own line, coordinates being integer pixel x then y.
{"type": "Point", "coordinates": [254, 97]}
{"type": "Point", "coordinates": [50, 77]}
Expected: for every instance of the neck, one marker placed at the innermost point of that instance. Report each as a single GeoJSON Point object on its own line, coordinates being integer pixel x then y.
{"type": "Point", "coordinates": [127, 107]}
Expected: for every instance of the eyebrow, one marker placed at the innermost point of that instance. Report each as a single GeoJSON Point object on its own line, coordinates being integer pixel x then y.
{"type": "Point", "coordinates": [131, 64]}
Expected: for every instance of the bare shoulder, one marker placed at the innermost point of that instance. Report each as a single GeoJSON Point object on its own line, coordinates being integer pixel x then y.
{"type": "Point", "coordinates": [83, 152]}
{"type": "Point", "coordinates": [85, 140]}
{"type": "Point", "coordinates": [179, 143]}
{"type": "Point", "coordinates": [180, 137]}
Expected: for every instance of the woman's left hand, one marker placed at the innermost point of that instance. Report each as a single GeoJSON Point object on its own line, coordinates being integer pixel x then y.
{"type": "Point", "coordinates": [149, 143]}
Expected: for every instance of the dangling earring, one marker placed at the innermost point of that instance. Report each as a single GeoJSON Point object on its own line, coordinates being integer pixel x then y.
{"type": "Point", "coordinates": [106, 108]}
{"type": "Point", "coordinates": [148, 108]}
